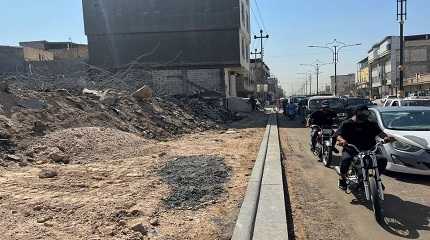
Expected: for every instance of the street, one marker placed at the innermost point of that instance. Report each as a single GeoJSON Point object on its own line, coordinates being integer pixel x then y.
{"type": "Point", "coordinates": [321, 211]}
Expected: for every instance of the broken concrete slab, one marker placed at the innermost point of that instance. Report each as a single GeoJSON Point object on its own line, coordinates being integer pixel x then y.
{"type": "Point", "coordinates": [143, 93]}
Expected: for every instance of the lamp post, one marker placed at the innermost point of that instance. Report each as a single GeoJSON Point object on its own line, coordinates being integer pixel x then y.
{"type": "Point", "coordinates": [335, 48]}
{"type": "Point", "coordinates": [401, 17]}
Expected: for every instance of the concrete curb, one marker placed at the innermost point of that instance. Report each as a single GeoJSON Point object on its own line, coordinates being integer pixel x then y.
{"type": "Point", "coordinates": [245, 222]}
{"type": "Point", "coordinates": [271, 218]}
{"type": "Point", "coordinates": [263, 212]}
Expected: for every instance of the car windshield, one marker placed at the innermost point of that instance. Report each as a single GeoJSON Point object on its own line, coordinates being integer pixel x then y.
{"type": "Point", "coordinates": [421, 103]}
{"type": "Point", "coordinates": [333, 103]}
{"type": "Point", "coordinates": [407, 120]}
{"type": "Point", "coordinates": [358, 101]}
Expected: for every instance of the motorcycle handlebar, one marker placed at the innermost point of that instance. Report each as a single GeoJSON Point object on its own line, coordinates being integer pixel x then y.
{"type": "Point", "coordinates": [373, 150]}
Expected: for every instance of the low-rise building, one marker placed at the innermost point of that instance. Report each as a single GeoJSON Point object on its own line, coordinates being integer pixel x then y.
{"type": "Point", "coordinates": [60, 50]}
{"type": "Point", "coordinates": [344, 84]}
{"type": "Point", "coordinates": [15, 59]}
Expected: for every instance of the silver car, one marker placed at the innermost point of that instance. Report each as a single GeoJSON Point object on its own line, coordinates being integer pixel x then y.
{"type": "Point", "coordinates": [411, 128]}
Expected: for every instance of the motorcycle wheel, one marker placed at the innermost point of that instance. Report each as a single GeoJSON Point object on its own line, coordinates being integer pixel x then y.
{"type": "Point", "coordinates": [376, 200]}
{"type": "Point", "coordinates": [327, 156]}
{"type": "Point", "coordinates": [318, 153]}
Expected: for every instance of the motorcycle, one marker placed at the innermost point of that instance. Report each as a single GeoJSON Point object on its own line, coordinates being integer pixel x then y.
{"type": "Point", "coordinates": [324, 144]}
{"type": "Point", "coordinates": [364, 172]}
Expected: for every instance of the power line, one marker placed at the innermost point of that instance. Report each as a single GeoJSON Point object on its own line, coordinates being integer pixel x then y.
{"type": "Point", "coordinates": [259, 14]}
{"type": "Point", "coordinates": [256, 18]}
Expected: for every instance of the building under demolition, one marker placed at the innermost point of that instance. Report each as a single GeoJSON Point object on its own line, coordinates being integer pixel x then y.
{"type": "Point", "coordinates": [188, 45]}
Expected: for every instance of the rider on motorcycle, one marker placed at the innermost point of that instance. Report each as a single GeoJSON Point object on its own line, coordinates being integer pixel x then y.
{"type": "Point", "coordinates": [361, 132]}
{"type": "Point", "coordinates": [291, 107]}
{"type": "Point", "coordinates": [322, 118]}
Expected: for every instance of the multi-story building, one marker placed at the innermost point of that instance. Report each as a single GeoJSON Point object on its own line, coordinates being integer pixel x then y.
{"type": "Point", "coordinates": [260, 74]}
{"type": "Point", "coordinates": [362, 78]}
{"type": "Point", "coordinates": [60, 50]}
{"type": "Point", "coordinates": [384, 61]}
{"type": "Point", "coordinates": [168, 36]}
{"type": "Point", "coordinates": [344, 84]}
{"type": "Point", "coordinates": [383, 71]}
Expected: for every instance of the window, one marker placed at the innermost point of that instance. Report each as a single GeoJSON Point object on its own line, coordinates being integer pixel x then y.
{"type": "Point", "coordinates": [388, 103]}
{"type": "Point", "coordinates": [395, 104]}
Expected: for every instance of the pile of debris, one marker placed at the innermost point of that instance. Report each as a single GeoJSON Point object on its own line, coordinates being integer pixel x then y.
{"type": "Point", "coordinates": [27, 115]}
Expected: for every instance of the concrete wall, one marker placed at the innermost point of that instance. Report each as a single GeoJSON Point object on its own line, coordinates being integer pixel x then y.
{"type": "Point", "coordinates": [169, 32]}
{"type": "Point", "coordinates": [203, 48]}
{"type": "Point", "coordinates": [11, 59]}
{"type": "Point", "coordinates": [80, 51]}
{"type": "Point", "coordinates": [188, 82]}
{"type": "Point", "coordinates": [35, 54]}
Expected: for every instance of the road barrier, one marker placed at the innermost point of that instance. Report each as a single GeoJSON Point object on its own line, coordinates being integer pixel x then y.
{"type": "Point", "coordinates": [263, 213]}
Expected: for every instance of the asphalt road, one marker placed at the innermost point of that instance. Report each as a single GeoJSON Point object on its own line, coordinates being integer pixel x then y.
{"type": "Point", "coordinates": [321, 211]}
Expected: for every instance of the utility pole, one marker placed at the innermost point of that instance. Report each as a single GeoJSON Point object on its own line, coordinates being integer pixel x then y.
{"type": "Point", "coordinates": [335, 48]}
{"type": "Point", "coordinates": [255, 53]}
{"type": "Point", "coordinates": [401, 17]}
{"type": "Point", "coordinates": [308, 77]}
{"type": "Point", "coordinates": [317, 66]}
{"type": "Point", "coordinates": [261, 37]}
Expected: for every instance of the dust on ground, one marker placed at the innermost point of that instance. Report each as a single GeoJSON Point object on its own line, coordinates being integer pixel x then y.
{"type": "Point", "coordinates": [312, 212]}
{"type": "Point", "coordinates": [107, 184]}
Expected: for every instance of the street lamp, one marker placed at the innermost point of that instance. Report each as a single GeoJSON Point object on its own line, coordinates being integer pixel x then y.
{"type": "Point", "coordinates": [335, 48]}
{"type": "Point", "coordinates": [317, 66]}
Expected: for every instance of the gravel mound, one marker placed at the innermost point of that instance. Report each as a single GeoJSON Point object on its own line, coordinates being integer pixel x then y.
{"type": "Point", "coordinates": [194, 181]}
{"type": "Point", "coordinates": [80, 145]}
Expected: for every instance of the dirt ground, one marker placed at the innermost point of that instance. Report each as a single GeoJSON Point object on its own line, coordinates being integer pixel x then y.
{"type": "Point", "coordinates": [118, 185]}
{"type": "Point", "coordinates": [321, 211]}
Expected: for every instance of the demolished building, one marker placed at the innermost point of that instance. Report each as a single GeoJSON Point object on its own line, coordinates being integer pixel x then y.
{"type": "Point", "coordinates": [193, 45]}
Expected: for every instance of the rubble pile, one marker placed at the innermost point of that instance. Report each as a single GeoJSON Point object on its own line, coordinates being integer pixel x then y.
{"type": "Point", "coordinates": [30, 117]}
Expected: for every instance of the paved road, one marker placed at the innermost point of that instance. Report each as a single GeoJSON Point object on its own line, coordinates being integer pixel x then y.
{"type": "Point", "coordinates": [321, 211]}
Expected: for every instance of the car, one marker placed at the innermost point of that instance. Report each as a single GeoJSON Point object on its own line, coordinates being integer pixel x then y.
{"type": "Point", "coordinates": [352, 102]}
{"type": "Point", "coordinates": [384, 99]}
{"type": "Point", "coordinates": [335, 103]}
{"type": "Point", "coordinates": [398, 102]}
{"type": "Point", "coordinates": [410, 126]}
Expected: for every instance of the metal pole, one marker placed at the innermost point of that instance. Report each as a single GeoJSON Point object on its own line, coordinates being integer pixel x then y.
{"type": "Point", "coordinates": [310, 84]}
{"type": "Point", "coordinates": [318, 73]}
{"type": "Point", "coordinates": [335, 70]}
{"type": "Point", "coordinates": [401, 50]}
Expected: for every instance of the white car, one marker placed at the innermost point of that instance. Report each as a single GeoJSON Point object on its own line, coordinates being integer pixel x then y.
{"type": "Point", "coordinates": [410, 153]}
{"type": "Point", "coordinates": [417, 102]}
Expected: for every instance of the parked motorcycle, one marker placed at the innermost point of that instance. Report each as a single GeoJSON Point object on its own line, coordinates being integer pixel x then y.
{"type": "Point", "coordinates": [364, 172]}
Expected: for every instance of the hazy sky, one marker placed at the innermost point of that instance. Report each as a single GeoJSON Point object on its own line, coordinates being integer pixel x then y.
{"type": "Point", "coordinates": [292, 24]}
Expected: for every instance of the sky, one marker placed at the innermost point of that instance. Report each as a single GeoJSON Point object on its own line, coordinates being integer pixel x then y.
{"type": "Point", "coordinates": [291, 24]}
